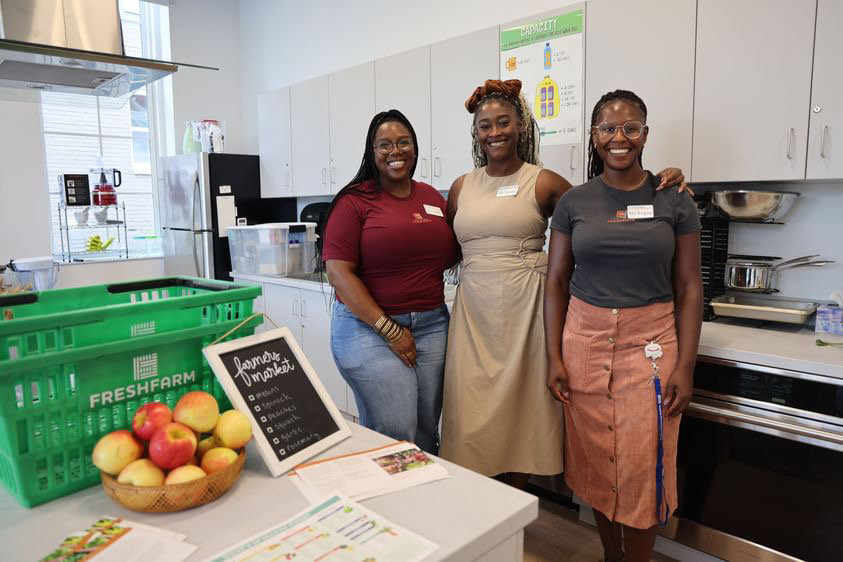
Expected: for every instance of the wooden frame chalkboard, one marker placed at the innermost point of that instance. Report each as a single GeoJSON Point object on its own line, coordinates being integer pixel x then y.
{"type": "Point", "coordinates": [268, 377]}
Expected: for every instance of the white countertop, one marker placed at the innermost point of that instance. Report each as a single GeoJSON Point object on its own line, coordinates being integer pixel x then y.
{"type": "Point", "coordinates": [286, 281]}
{"type": "Point", "coordinates": [466, 515]}
{"type": "Point", "coordinates": [773, 344]}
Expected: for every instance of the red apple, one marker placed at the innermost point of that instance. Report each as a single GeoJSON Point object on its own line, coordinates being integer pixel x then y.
{"type": "Point", "coordinates": [233, 429]}
{"type": "Point", "coordinates": [172, 445]}
{"type": "Point", "coordinates": [141, 472]}
{"type": "Point", "coordinates": [149, 417]}
{"type": "Point", "coordinates": [197, 410]}
{"type": "Point", "coordinates": [116, 450]}
{"type": "Point", "coordinates": [184, 473]}
{"type": "Point", "coordinates": [217, 459]}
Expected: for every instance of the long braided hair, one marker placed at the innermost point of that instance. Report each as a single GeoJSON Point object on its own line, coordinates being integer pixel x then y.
{"type": "Point", "coordinates": [360, 184]}
{"type": "Point", "coordinates": [528, 137]}
{"type": "Point", "coordinates": [595, 163]}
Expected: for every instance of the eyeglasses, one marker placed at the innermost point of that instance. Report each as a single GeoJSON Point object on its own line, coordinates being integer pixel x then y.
{"type": "Point", "coordinates": [631, 129]}
{"type": "Point", "coordinates": [385, 147]}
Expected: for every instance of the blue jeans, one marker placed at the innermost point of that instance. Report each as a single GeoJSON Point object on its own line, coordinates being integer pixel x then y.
{"type": "Point", "coordinates": [392, 398]}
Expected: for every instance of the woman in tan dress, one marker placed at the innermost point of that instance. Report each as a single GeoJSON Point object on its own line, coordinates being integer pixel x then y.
{"type": "Point", "coordinates": [623, 311]}
{"type": "Point", "coordinates": [497, 416]}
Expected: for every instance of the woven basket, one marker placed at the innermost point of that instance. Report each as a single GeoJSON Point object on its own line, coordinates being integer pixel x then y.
{"type": "Point", "coordinates": [175, 497]}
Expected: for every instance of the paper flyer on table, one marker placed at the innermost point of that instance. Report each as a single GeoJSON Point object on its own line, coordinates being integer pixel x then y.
{"type": "Point", "coordinates": [336, 530]}
{"type": "Point", "coordinates": [116, 539]}
{"type": "Point", "coordinates": [369, 473]}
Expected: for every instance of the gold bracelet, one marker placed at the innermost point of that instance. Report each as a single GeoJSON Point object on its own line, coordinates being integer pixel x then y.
{"type": "Point", "coordinates": [380, 323]}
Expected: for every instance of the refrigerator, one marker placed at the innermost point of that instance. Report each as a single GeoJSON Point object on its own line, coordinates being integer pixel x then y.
{"type": "Point", "coordinates": [200, 195]}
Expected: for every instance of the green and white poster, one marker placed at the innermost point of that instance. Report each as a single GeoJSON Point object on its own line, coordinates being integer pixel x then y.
{"type": "Point", "coordinates": [547, 56]}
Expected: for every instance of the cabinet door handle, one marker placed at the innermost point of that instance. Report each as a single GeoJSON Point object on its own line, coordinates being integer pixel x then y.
{"type": "Point", "coordinates": [424, 167]}
{"type": "Point", "coordinates": [790, 140]}
{"type": "Point", "coordinates": [437, 166]}
{"type": "Point", "coordinates": [571, 162]}
{"type": "Point", "coordinates": [295, 308]}
{"type": "Point", "coordinates": [333, 174]}
{"type": "Point", "coordinates": [303, 309]}
{"type": "Point", "coordinates": [822, 141]}
{"type": "Point", "coordinates": [325, 175]}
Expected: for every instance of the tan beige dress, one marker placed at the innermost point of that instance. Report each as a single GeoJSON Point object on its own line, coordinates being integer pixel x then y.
{"type": "Point", "coordinates": [498, 415]}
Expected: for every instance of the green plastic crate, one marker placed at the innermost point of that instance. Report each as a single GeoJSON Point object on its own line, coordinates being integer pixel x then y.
{"type": "Point", "coordinates": [75, 364]}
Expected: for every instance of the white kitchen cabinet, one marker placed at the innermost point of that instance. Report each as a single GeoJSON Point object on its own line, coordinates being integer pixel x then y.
{"type": "Point", "coordinates": [402, 82]}
{"type": "Point", "coordinates": [316, 333]}
{"type": "Point", "coordinates": [352, 106]}
{"type": "Point", "coordinates": [309, 115]}
{"type": "Point", "coordinates": [752, 89]}
{"type": "Point", "coordinates": [283, 306]}
{"type": "Point", "coordinates": [275, 143]}
{"type": "Point", "coordinates": [825, 134]}
{"type": "Point", "coordinates": [307, 313]}
{"type": "Point", "coordinates": [658, 66]}
{"type": "Point", "coordinates": [457, 66]}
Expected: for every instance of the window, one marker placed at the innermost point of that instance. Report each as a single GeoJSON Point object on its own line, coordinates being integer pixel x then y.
{"type": "Point", "coordinates": [80, 132]}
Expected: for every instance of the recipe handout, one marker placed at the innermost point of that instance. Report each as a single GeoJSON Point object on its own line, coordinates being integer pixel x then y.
{"type": "Point", "coordinates": [369, 473]}
{"type": "Point", "coordinates": [119, 540]}
{"type": "Point", "coordinates": [334, 530]}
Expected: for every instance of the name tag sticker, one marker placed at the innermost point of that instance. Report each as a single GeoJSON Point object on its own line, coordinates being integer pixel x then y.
{"type": "Point", "coordinates": [433, 210]}
{"type": "Point", "coordinates": [639, 211]}
{"type": "Point", "coordinates": [507, 190]}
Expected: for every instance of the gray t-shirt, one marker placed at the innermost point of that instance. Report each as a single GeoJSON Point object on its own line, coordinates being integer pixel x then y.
{"type": "Point", "coordinates": [621, 261]}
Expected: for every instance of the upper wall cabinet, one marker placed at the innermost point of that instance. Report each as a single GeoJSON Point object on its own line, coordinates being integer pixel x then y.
{"type": "Point", "coordinates": [402, 82]}
{"type": "Point", "coordinates": [352, 93]}
{"type": "Point", "coordinates": [658, 66]}
{"type": "Point", "coordinates": [457, 66]}
{"type": "Point", "coordinates": [825, 135]}
{"type": "Point", "coordinates": [275, 143]}
{"type": "Point", "coordinates": [752, 90]}
{"type": "Point", "coordinates": [309, 108]}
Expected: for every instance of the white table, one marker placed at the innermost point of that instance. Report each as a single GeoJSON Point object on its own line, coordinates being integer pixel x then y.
{"type": "Point", "coordinates": [469, 516]}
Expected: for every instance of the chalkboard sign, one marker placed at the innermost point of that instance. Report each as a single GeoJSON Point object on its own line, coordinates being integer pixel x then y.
{"type": "Point", "coordinates": [268, 377]}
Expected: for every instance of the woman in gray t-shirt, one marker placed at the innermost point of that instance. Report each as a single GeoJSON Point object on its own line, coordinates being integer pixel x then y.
{"type": "Point", "coordinates": [623, 306]}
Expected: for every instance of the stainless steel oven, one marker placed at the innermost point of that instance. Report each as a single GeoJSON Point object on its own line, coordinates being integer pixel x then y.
{"type": "Point", "coordinates": [760, 465]}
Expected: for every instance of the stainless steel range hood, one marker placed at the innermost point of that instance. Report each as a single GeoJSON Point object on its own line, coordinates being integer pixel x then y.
{"type": "Point", "coordinates": [73, 46]}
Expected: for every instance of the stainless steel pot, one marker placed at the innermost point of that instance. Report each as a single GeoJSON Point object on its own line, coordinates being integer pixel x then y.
{"type": "Point", "coordinates": [757, 206]}
{"type": "Point", "coordinates": [759, 276]}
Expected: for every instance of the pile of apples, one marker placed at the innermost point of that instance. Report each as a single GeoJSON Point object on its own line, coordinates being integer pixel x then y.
{"type": "Point", "coordinates": [178, 446]}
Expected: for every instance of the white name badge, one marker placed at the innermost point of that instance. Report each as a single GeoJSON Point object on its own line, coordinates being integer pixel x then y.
{"type": "Point", "coordinates": [639, 211]}
{"type": "Point", "coordinates": [507, 190]}
{"type": "Point", "coordinates": [433, 210]}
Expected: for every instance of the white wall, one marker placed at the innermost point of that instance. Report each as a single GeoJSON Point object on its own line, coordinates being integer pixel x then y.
{"type": "Point", "coordinates": [24, 202]}
{"type": "Point", "coordinates": [207, 32]}
{"type": "Point", "coordinates": [811, 227]}
{"type": "Point", "coordinates": [287, 42]}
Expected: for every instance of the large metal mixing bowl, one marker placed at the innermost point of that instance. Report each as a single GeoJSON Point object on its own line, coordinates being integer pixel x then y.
{"type": "Point", "coordinates": [754, 205]}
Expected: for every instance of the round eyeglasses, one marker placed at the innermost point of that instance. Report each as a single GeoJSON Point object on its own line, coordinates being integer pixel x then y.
{"type": "Point", "coordinates": [631, 129]}
{"type": "Point", "coordinates": [385, 147]}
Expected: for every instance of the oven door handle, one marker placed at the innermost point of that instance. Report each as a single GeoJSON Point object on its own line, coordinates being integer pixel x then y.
{"type": "Point", "coordinates": [786, 430]}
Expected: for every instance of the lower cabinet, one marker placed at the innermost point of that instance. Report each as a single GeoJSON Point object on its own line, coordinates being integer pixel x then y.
{"type": "Point", "coordinates": [307, 313]}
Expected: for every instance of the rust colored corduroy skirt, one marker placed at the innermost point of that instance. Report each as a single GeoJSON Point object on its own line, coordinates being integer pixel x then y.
{"type": "Point", "coordinates": [611, 425]}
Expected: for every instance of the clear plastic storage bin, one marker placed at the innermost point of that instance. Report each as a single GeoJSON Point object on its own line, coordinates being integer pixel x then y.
{"type": "Point", "coordinates": [283, 248]}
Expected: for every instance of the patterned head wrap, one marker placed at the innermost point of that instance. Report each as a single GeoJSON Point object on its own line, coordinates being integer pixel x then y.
{"type": "Point", "coordinates": [508, 88]}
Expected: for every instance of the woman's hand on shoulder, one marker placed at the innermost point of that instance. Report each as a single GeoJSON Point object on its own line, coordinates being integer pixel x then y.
{"type": "Point", "coordinates": [405, 348]}
{"type": "Point", "coordinates": [453, 198]}
{"type": "Point", "coordinates": [673, 177]}
{"type": "Point", "coordinates": [557, 382]}
{"type": "Point", "coordinates": [678, 392]}
{"type": "Point", "coordinates": [550, 187]}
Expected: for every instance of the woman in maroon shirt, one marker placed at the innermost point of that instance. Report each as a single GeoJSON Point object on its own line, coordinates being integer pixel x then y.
{"type": "Point", "coordinates": [387, 243]}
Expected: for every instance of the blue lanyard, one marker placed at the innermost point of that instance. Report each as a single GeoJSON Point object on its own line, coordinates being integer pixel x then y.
{"type": "Point", "coordinates": [660, 493]}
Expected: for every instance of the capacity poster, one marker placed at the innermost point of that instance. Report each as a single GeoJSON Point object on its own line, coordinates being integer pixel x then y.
{"type": "Point", "coordinates": [546, 54]}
